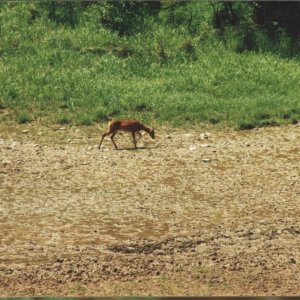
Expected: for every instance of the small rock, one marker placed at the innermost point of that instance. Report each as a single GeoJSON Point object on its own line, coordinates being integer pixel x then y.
{"type": "Point", "coordinates": [205, 145]}
{"type": "Point", "coordinates": [62, 128]}
{"type": "Point", "coordinates": [205, 135]}
{"type": "Point", "coordinates": [205, 159]}
{"type": "Point", "coordinates": [6, 162]}
{"type": "Point", "coordinates": [292, 260]}
{"type": "Point", "coordinates": [129, 249]}
{"type": "Point", "coordinates": [13, 145]}
{"type": "Point", "coordinates": [25, 130]}
{"type": "Point", "coordinates": [192, 148]}
{"type": "Point", "coordinates": [40, 133]}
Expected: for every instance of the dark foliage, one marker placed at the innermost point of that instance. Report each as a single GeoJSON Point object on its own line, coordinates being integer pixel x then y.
{"type": "Point", "coordinates": [225, 15]}
{"type": "Point", "coordinates": [273, 15]}
{"type": "Point", "coordinates": [126, 17]}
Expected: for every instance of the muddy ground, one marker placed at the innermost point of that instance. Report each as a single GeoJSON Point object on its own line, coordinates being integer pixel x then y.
{"type": "Point", "coordinates": [195, 212]}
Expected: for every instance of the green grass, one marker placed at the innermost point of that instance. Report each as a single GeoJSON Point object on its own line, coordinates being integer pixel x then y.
{"type": "Point", "coordinates": [23, 117]}
{"type": "Point", "coordinates": [63, 120]}
{"type": "Point", "coordinates": [162, 74]}
{"type": "Point", "coordinates": [84, 119]}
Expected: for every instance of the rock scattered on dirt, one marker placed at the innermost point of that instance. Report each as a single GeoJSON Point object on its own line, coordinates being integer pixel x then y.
{"type": "Point", "coordinates": [220, 219]}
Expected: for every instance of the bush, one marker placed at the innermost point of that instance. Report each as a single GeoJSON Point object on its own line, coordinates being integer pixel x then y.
{"type": "Point", "coordinates": [247, 38]}
{"type": "Point", "coordinates": [244, 125]}
{"type": "Point", "coordinates": [101, 116]}
{"type": "Point", "coordinates": [23, 117]}
{"type": "Point", "coordinates": [293, 120]}
{"type": "Point", "coordinates": [267, 122]}
{"type": "Point", "coordinates": [84, 119]}
{"type": "Point", "coordinates": [63, 120]}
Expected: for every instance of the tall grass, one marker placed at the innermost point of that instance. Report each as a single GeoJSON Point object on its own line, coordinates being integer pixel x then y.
{"type": "Point", "coordinates": [167, 72]}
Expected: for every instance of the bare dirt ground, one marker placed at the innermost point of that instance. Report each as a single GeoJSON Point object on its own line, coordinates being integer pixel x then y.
{"type": "Point", "coordinates": [196, 212]}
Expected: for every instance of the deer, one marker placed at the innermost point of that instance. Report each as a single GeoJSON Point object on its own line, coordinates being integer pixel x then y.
{"type": "Point", "coordinates": [132, 126]}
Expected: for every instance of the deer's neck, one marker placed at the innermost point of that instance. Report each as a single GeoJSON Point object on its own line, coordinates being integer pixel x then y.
{"type": "Point", "coordinates": [145, 128]}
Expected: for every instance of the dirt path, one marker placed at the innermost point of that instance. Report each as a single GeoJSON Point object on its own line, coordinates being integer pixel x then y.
{"type": "Point", "coordinates": [192, 213]}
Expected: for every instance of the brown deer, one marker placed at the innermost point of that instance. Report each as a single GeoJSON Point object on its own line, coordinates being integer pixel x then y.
{"type": "Point", "coordinates": [132, 126]}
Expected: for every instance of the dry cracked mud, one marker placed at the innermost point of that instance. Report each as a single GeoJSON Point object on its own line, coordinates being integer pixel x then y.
{"type": "Point", "coordinates": [199, 211]}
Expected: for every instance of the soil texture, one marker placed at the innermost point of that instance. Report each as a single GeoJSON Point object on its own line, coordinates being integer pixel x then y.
{"type": "Point", "coordinates": [199, 211]}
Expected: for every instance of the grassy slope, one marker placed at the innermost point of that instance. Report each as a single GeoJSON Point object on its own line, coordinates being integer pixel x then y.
{"type": "Point", "coordinates": [54, 73]}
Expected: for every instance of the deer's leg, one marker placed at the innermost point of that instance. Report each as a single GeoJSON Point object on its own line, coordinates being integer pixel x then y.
{"type": "Point", "coordinates": [134, 140]}
{"type": "Point", "coordinates": [140, 135]}
{"type": "Point", "coordinates": [112, 139]}
{"type": "Point", "coordinates": [103, 136]}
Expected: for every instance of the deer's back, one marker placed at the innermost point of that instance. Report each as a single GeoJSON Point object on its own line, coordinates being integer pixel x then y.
{"type": "Point", "coordinates": [125, 125]}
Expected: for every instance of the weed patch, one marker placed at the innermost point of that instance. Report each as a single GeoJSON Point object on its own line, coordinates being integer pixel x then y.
{"type": "Point", "coordinates": [245, 126]}
{"type": "Point", "coordinates": [83, 119]}
{"type": "Point", "coordinates": [63, 120]}
{"type": "Point", "coordinates": [23, 117]}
